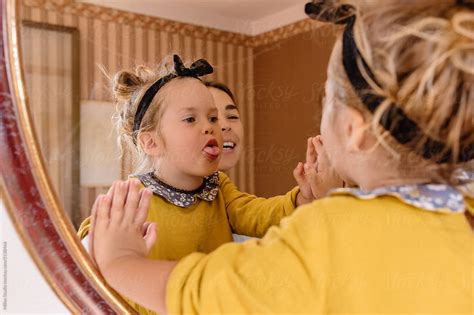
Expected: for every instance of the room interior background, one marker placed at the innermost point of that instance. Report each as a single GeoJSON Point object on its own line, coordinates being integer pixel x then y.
{"type": "Point", "coordinates": [277, 78]}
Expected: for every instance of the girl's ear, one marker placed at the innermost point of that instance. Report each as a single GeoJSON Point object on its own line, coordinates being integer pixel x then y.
{"type": "Point", "coordinates": [355, 130]}
{"type": "Point", "coordinates": [150, 143]}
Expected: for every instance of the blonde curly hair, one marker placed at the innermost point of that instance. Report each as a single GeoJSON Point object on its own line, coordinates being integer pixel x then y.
{"type": "Point", "coordinates": [128, 88]}
{"type": "Point", "coordinates": [422, 56]}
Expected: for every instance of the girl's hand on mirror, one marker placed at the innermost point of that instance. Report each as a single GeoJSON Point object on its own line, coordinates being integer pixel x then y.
{"type": "Point", "coordinates": [120, 230]}
{"type": "Point", "coordinates": [110, 193]}
{"type": "Point", "coordinates": [322, 177]}
{"type": "Point", "coordinates": [305, 194]}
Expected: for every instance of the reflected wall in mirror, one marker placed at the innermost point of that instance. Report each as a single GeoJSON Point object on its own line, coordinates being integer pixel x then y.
{"type": "Point", "coordinates": [100, 156]}
{"type": "Point", "coordinates": [278, 96]}
{"type": "Point", "coordinates": [51, 69]}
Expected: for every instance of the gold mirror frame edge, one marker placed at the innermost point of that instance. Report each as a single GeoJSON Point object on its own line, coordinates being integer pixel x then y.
{"type": "Point", "coordinates": [78, 299]}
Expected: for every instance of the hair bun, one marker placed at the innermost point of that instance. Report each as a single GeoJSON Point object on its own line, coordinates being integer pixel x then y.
{"type": "Point", "coordinates": [329, 11]}
{"type": "Point", "coordinates": [125, 83]}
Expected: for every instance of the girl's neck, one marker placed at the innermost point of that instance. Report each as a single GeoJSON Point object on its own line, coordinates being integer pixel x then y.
{"type": "Point", "coordinates": [179, 180]}
{"type": "Point", "coordinates": [369, 185]}
{"type": "Point", "coordinates": [374, 177]}
{"type": "Point", "coordinates": [376, 172]}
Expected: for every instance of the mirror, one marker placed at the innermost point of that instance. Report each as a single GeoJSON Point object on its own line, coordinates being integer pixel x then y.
{"type": "Point", "coordinates": [68, 47]}
{"type": "Point", "coordinates": [60, 50]}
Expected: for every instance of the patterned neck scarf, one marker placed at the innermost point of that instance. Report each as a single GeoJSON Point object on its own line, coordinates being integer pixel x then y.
{"type": "Point", "coordinates": [181, 198]}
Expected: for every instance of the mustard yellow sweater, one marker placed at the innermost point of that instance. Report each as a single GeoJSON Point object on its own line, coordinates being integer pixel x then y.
{"type": "Point", "coordinates": [206, 225]}
{"type": "Point", "coordinates": [338, 255]}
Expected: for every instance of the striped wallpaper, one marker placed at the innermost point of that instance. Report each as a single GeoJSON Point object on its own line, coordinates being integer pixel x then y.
{"type": "Point", "coordinates": [120, 43]}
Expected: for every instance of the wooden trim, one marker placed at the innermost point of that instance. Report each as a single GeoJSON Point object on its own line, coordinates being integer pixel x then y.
{"type": "Point", "coordinates": [51, 27]}
{"type": "Point", "coordinates": [32, 204]}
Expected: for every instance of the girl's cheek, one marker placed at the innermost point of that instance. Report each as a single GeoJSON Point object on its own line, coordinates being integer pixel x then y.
{"type": "Point", "coordinates": [324, 123]}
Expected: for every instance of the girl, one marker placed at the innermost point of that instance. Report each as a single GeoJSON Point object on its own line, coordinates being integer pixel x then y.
{"type": "Point", "coordinates": [171, 122]}
{"type": "Point", "coordinates": [398, 122]}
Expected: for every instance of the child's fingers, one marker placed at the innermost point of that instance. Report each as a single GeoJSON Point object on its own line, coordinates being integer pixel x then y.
{"type": "Point", "coordinates": [314, 179]}
{"type": "Point", "coordinates": [133, 198]}
{"type": "Point", "coordinates": [298, 174]}
{"type": "Point", "coordinates": [318, 145]}
{"type": "Point", "coordinates": [310, 171]}
{"type": "Point", "coordinates": [310, 152]}
{"type": "Point", "coordinates": [316, 183]}
{"type": "Point", "coordinates": [102, 218]}
{"type": "Point", "coordinates": [299, 170]}
{"type": "Point", "coordinates": [150, 236]}
{"type": "Point", "coordinates": [101, 223]}
{"type": "Point", "coordinates": [142, 211]}
{"type": "Point", "coordinates": [118, 201]}
{"type": "Point", "coordinates": [110, 192]}
{"type": "Point", "coordinates": [321, 153]}
{"type": "Point", "coordinates": [145, 228]}
{"type": "Point", "coordinates": [92, 227]}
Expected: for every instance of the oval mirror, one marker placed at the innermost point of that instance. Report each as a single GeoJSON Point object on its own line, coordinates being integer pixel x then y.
{"type": "Point", "coordinates": [58, 147]}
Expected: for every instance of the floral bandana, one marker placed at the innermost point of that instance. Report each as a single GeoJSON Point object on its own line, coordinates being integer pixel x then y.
{"type": "Point", "coordinates": [181, 198]}
{"type": "Point", "coordinates": [430, 197]}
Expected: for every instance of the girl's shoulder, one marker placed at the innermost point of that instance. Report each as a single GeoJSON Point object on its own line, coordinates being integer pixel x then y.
{"type": "Point", "coordinates": [430, 197]}
{"type": "Point", "coordinates": [223, 178]}
{"type": "Point", "coordinates": [410, 202]}
{"type": "Point", "coordinates": [355, 212]}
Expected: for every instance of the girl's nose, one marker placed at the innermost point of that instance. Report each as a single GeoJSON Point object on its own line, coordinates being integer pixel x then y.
{"type": "Point", "coordinates": [208, 130]}
{"type": "Point", "coordinates": [225, 128]}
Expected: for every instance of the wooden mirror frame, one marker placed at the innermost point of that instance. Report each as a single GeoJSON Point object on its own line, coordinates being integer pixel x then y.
{"type": "Point", "coordinates": [30, 200]}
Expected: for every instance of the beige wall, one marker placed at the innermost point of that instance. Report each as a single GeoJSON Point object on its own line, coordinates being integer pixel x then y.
{"type": "Point", "coordinates": [289, 84]}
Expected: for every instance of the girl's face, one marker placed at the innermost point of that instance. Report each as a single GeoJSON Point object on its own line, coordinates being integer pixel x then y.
{"type": "Point", "coordinates": [189, 130]}
{"type": "Point", "coordinates": [332, 123]}
{"type": "Point", "coordinates": [232, 129]}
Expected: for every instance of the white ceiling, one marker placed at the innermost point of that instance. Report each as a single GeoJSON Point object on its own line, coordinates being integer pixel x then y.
{"type": "Point", "coordinates": [250, 17]}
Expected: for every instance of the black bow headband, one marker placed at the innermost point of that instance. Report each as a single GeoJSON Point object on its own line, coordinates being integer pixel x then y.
{"type": "Point", "coordinates": [400, 126]}
{"type": "Point", "coordinates": [198, 68]}
{"type": "Point", "coordinates": [465, 3]}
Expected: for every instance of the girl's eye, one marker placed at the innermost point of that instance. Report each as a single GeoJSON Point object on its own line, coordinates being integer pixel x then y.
{"type": "Point", "coordinates": [189, 120]}
{"type": "Point", "coordinates": [233, 117]}
{"type": "Point", "coordinates": [213, 119]}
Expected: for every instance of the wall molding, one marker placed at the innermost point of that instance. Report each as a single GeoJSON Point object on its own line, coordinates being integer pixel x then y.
{"type": "Point", "coordinates": [144, 21]}
{"type": "Point", "coordinates": [284, 32]}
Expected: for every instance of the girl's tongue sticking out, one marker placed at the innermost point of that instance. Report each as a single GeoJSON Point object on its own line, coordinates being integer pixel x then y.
{"type": "Point", "coordinates": [211, 150]}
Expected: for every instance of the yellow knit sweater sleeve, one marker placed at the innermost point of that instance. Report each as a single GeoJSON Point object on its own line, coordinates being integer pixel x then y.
{"type": "Point", "coordinates": [336, 255]}
{"type": "Point", "coordinates": [251, 215]}
{"type": "Point", "coordinates": [266, 276]}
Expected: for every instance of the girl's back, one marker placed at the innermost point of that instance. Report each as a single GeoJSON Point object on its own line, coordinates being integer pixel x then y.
{"type": "Point", "coordinates": [340, 254]}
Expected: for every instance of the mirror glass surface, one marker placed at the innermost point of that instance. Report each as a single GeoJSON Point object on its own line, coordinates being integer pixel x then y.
{"type": "Point", "coordinates": [271, 57]}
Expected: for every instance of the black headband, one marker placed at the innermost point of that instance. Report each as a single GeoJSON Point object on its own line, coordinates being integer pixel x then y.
{"type": "Point", "coordinates": [198, 68]}
{"type": "Point", "coordinates": [465, 3]}
{"type": "Point", "coordinates": [393, 119]}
